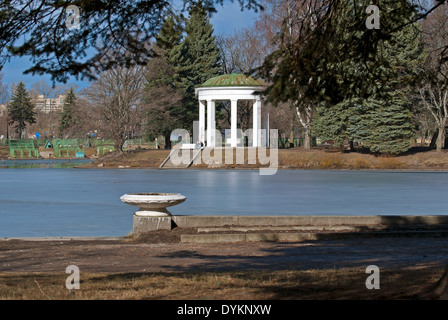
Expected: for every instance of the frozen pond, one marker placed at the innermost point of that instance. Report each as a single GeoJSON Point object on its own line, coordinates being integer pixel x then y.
{"type": "Point", "coordinates": [86, 202]}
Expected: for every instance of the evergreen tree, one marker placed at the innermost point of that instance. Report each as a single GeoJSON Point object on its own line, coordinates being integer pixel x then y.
{"type": "Point", "coordinates": [67, 116]}
{"type": "Point", "coordinates": [21, 109]}
{"type": "Point", "coordinates": [383, 126]}
{"type": "Point", "coordinates": [196, 59]}
{"type": "Point", "coordinates": [331, 123]}
{"type": "Point", "coordinates": [170, 35]}
{"type": "Point", "coordinates": [368, 98]}
{"type": "Point", "coordinates": [161, 96]}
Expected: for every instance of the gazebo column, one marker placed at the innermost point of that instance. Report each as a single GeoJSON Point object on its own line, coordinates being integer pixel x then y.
{"type": "Point", "coordinates": [256, 112]}
{"type": "Point", "coordinates": [233, 123]}
{"type": "Point", "coordinates": [266, 123]}
{"type": "Point", "coordinates": [201, 122]}
{"type": "Point", "coordinates": [211, 123]}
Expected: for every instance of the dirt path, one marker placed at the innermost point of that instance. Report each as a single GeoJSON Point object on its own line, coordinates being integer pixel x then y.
{"type": "Point", "coordinates": [131, 256]}
{"type": "Point", "coordinates": [153, 269]}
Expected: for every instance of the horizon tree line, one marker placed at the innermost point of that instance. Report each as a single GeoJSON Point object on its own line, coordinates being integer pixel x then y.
{"type": "Point", "coordinates": [339, 82]}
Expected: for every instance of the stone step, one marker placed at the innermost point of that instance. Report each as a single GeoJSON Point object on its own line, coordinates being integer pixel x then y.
{"type": "Point", "coordinates": [277, 228]}
{"type": "Point", "coordinates": [189, 154]}
{"type": "Point", "coordinates": [202, 221]}
{"type": "Point", "coordinates": [283, 223]}
{"type": "Point", "coordinates": [337, 228]}
{"type": "Point", "coordinates": [303, 236]}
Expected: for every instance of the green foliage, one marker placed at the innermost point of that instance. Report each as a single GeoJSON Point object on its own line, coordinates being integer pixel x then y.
{"type": "Point", "coordinates": [21, 109]}
{"type": "Point", "coordinates": [332, 122]}
{"type": "Point", "coordinates": [383, 125]}
{"type": "Point", "coordinates": [180, 64]}
{"type": "Point", "coordinates": [104, 26]}
{"type": "Point", "coordinates": [368, 100]}
{"type": "Point", "coordinates": [196, 59]}
{"type": "Point", "coordinates": [161, 96]}
{"type": "Point", "coordinates": [67, 116]}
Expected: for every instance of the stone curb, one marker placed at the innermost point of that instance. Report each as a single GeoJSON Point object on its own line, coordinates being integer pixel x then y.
{"type": "Point", "coordinates": [300, 236]}
{"type": "Point", "coordinates": [63, 238]}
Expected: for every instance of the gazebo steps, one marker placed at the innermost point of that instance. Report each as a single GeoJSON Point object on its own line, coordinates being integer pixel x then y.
{"type": "Point", "coordinates": [169, 162]}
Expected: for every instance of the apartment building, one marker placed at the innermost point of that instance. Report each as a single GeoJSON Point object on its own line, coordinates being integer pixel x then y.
{"type": "Point", "coordinates": [48, 105]}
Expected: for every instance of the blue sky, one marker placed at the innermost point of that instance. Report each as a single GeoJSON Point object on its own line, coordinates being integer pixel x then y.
{"type": "Point", "coordinates": [229, 14]}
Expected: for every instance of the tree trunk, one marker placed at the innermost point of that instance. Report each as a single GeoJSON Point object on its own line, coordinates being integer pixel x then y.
{"type": "Point", "coordinates": [168, 141]}
{"type": "Point", "coordinates": [118, 146]}
{"type": "Point", "coordinates": [305, 120]}
{"type": "Point", "coordinates": [440, 143]}
{"type": "Point", "coordinates": [432, 144]}
{"type": "Point", "coordinates": [119, 143]}
{"type": "Point", "coordinates": [352, 146]}
{"type": "Point", "coordinates": [307, 139]}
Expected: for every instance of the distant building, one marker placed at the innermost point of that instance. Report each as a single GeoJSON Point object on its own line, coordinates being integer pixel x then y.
{"type": "Point", "coordinates": [48, 105]}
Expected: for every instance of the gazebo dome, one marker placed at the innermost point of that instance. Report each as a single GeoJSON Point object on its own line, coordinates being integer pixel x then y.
{"type": "Point", "coordinates": [233, 80]}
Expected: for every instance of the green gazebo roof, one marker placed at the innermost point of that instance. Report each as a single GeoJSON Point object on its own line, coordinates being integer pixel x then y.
{"type": "Point", "coordinates": [233, 80]}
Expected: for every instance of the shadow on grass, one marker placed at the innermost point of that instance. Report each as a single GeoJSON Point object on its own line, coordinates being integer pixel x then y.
{"type": "Point", "coordinates": [396, 248]}
{"type": "Point", "coordinates": [284, 285]}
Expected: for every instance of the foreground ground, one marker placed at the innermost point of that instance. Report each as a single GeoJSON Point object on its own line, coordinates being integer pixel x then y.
{"type": "Point", "coordinates": [152, 268]}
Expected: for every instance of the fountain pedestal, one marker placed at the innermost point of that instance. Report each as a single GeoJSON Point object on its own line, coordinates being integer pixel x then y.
{"type": "Point", "coordinates": [153, 213]}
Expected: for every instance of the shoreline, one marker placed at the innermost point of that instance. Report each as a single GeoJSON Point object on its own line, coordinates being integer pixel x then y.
{"type": "Point", "coordinates": [286, 159]}
{"type": "Point", "coordinates": [279, 168]}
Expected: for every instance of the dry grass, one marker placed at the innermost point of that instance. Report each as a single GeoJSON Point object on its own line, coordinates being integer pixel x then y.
{"type": "Point", "coordinates": [296, 158]}
{"type": "Point", "coordinates": [4, 152]}
{"type": "Point", "coordinates": [317, 159]}
{"type": "Point", "coordinates": [346, 283]}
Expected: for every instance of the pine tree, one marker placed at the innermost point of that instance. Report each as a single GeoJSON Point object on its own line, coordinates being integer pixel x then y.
{"type": "Point", "coordinates": [332, 122]}
{"type": "Point", "coordinates": [368, 97]}
{"type": "Point", "coordinates": [196, 60]}
{"type": "Point", "coordinates": [170, 35]}
{"type": "Point", "coordinates": [383, 122]}
{"type": "Point", "coordinates": [384, 126]}
{"type": "Point", "coordinates": [21, 109]}
{"type": "Point", "coordinates": [161, 96]}
{"type": "Point", "coordinates": [67, 117]}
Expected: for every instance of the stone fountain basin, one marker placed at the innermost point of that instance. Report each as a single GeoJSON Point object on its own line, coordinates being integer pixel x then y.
{"type": "Point", "coordinates": [153, 203]}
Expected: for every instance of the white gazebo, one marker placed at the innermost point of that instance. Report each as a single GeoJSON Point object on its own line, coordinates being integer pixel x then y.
{"type": "Point", "coordinates": [231, 87]}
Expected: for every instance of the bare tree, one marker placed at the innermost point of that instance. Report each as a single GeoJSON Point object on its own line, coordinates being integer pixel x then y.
{"type": "Point", "coordinates": [285, 23]}
{"type": "Point", "coordinates": [435, 99]}
{"type": "Point", "coordinates": [48, 121]}
{"type": "Point", "coordinates": [4, 91]}
{"type": "Point", "coordinates": [49, 91]}
{"type": "Point", "coordinates": [434, 88]}
{"type": "Point", "coordinates": [242, 52]}
{"type": "Point", "coordinates": [4, 97]}
{"type": "Point", "coordinates": [115, 100]}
